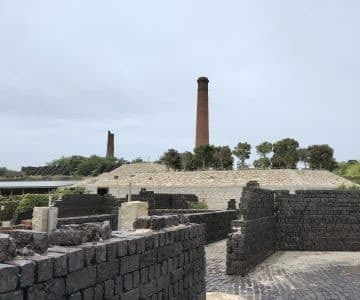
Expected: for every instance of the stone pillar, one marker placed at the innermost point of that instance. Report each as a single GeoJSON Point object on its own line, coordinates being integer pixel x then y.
{"type": "Point", "coordinates": [44, 219]}
{"type": "Point", "coordinates": [202, 117]}
{"type": "Point", "coordinates": [110, 145]}
{"type": "Point", "coordinates": [129, 211]}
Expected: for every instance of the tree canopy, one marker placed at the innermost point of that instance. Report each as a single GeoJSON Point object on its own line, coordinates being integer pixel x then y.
{"type": "Point", "coordinates": [242, 151]}
{"type": "Point", "coordinates": [286, 154]}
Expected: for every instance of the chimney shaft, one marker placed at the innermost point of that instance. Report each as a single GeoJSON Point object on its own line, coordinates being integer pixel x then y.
{"type": "Point", "coordinates": [202, 117]}
{"type": "Point", "coordinates": [110, 145]}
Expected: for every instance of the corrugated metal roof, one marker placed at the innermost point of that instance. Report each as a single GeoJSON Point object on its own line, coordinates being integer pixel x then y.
{"type": "Point", "coordinates": [35, 184]}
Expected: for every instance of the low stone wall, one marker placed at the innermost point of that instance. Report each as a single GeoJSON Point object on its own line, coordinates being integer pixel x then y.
{"type": "Point", "coordinates": [85, 205]}
{"type": "Point", "coordinates": [163, 200]}
{"type": "Point", "coordinates": [252, 242]}
{"type": "Point", "coordinates": [217, 223]}
{"type": "Point", "coordinates": [319, 221]}
{"type": "Point", "coordinates": [254, 236]}
{"type": "Point", "coordinates": [111, 218]}
{"type": "Point", "coordinates": [154, 265]}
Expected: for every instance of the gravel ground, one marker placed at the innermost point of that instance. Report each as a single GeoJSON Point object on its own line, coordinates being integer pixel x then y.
{"type": "Point", "coordinates": [287, 275]}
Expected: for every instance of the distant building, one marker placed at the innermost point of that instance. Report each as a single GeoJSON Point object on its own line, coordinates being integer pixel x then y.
{"type": "Point", "coordinates": [8, 188]}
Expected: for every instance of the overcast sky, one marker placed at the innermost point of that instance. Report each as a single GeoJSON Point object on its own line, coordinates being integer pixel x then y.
{"type": "Point", "coordinates": [71, 70]}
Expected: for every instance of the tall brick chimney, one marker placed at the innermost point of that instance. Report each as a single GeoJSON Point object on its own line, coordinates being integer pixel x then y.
{"type": "Point", "coordinates": [202, 117]}
{"type": "Point", "coordinates": [110, 145]}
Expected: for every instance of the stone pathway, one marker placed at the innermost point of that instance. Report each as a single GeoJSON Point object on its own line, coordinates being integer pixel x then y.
{"type": "Point", "coordinates": [288, 275]}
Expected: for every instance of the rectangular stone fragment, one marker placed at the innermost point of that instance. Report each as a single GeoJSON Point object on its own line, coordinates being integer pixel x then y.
{"type": "Point", "coordinates": [107, 270]}
{"type": "Point", "coordinates": [8, 277]}
{"type": "Point", "coordinates": [15, 295]}
{"type": "Point", "coordinates": [26, 272]}
{"type": "Point", "coordinates": [81, 279]}
{"type": "Point", "coordinates": [75, 256]}
{"type": "Point", "coordinates": [60, 263]}
{"type": "Point", "coordinates": [129, 263]}
{"type": "Point", "coordinates": [44, 267]}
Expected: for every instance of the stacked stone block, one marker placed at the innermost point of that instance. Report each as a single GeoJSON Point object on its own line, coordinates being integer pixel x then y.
{"type": "Point", "coordinates": [319, 221]}
{"type": "Point", "coordinates": [254, 236]}
{"type": "Point", "coordinates": [166, 264]}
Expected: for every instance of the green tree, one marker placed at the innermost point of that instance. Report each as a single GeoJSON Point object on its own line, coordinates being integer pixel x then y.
{"type": "Point", "coordinates": [171, 159]}
{"type": "Point", "coordinates": [264, 148]}
{"type": "Point", "coordinates": [70, 165]}
{"type": "Point", "coordinates": [286, 154]}
{"type": "Point", "coordinates": [304, 156]}
{"type": "Point", "coordinates": [242, 151]}
{"type": "Point", "coordinates": [204, 156]}
{"type": "Point", "coordinates": [223, 159]}
{"type": "Point", "coordinates": [137, 160]}
{"type": "Point", "coordinates": [321, 157]}
{"type": "Point", "coordinates": [188, 161]}
{"type": "Point", "coordinates": [262, 163]}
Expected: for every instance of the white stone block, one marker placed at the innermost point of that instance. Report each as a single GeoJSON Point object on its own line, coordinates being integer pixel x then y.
{"type": "Point", "coordinates": [129, 211]}
{"type": "Point", "coordinates": [40, 219]}
{"type": "Point", "coordinates": [52, 219]}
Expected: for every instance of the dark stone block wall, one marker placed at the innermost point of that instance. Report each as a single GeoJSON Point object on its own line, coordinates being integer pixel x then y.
{"type": "Point", "coordinates": [164, 201]}
{"type": "Point", "coordinates": [166, 264]}
{"type": "Point", "coordinates": [252, 242]}
{"type": "Point", "coordinates": [319, 221]}
{"type": "Point", "coordinates": [217, 223]}
{"type": "Point", "coordinates": [85, 205]}
{"type": "Point", "coordinates": [254, 236]}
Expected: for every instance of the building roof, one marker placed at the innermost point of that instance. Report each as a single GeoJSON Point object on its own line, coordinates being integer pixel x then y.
{"type": "Point", "coordinates": [35, 184]}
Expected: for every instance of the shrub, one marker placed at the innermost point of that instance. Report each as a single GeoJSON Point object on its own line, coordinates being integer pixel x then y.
{"type": "Point", "coordinates": [29, 201]}
{"type": "Point", "coordinates": [344, 187]}
{"type": "Point", "coordinates": [198, 205]}
{"type": "Point", "coordinates": [10, 207]}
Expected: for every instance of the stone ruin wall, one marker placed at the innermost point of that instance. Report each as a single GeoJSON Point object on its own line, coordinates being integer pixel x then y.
{"type": "Point", "coordinates": [149, 265]}
{"type": "Point", "coordinates": [327, 220]}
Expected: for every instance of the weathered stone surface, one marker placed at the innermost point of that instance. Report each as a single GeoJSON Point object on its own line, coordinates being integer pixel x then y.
{"type": "Point", "coordinates": [81, 279]}
{"type": "Point", "coordinates": [40, 242]}
{"type": "Point", "coordinates": [63, 237]}
{"type": "Point", "coordinates": [8, 277]}
{"type": "Point", "coordinates": [44, 267]}
{"type": "Point", "coordinates": [129, 263]}
{"type": "Point", "coordinates": [15, 295]}
{"type": "Point", "coordinates": [51, 289]}
{"type": "Point", "coordinates": [107, 270]}
{"type": "Point", "coordinates": [60, 263]}
{"type": "Point", "coordinates": [40, 219]}
{"type": "Point", "coordinates": [75, 257]}
{"type": "Point", "coordinates": [7, 248]}
{"type": "Point", "coordinates": [129, 211]}
{"type": "Point", "coordinates": [26, 272]}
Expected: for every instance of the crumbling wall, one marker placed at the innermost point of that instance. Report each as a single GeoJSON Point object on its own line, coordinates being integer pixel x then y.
{"type": "Point", "coordinates": [319, 221]}
{"type": "Point", "coordinates": [254, 236]}
{"type": "Point", "coordinates": [153, 265]}
{"type": "Point", "coordinates": [217, 223]}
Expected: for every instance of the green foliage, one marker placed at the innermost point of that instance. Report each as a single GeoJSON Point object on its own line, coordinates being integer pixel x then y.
{"type": "Point", "coordinates": [137, 160]}
{"type": "Point", "coordinates": [188, 161]}
{"type": "Point", "coordinates": [204, 156]}
{"type": "Point", "coordinates": [264, 148]}
{"type": "Point", "coordinates": [223, 159]}
{"type": "Point", "coordinates": [304, 156]}
{"type": "Point", "coordinates": [286, 154]}
{"type": "Point", "coordinates": [353, 187]}
{"type": "Point", "coordinates": [86, 166]}
{"type": "Point", "coordinates": [198, 205]}
{"type": "Point", "coordinates": [242, 151]}
{"type": "Point", "coordinates": [29, 201]}
{"type": "Point", "coordinates": [172, 159]}
{"type": "Point", "coordinates": [262, 163]}
{"type": "Point", "coordinates": [10, 206]}
{"type": "Point", "coordinates": [321, 157]}
{"type": "Point", "coordinates": [353, 170]}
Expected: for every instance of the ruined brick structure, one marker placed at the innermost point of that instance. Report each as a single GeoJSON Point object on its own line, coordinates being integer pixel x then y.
{"type": "Point", "coordinates": [202, 117]}
{"type": "Point", "coordinates": [166, 264]}
{"type": "Point", "coordinates": [110, 145]}
{"type": "Point", "coordinates": [317, 220]}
